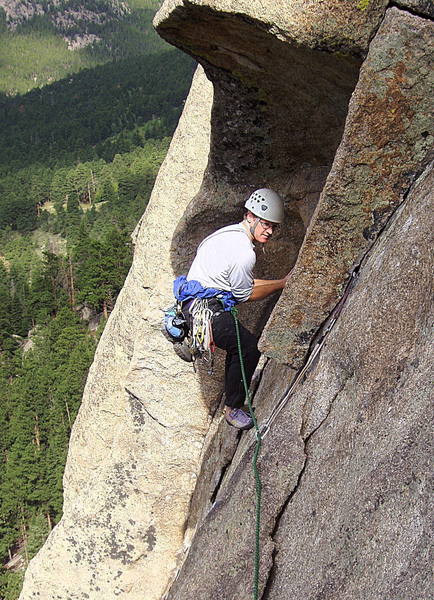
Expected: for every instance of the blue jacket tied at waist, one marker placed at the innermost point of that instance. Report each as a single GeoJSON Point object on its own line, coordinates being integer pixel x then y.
{"type": "Point", "coordinates": [187, 290]}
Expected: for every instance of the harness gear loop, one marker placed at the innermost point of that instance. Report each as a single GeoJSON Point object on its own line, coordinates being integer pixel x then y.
{"type": "Point", "coordinates": [258, 484]}
{"type": "Point", "coordinates": [201, 340]}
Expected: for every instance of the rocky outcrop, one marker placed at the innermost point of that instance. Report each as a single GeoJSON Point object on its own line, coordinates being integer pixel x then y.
{"type": "Point", "coordinates": [136, 443]}
{"type": "Point", "coordinates": [345, 467]}
{"type": "Point", "coordinates": [387, 141]}
{"type": "Point", "coordinates": [419, 7]}
{"type": "Point", "coordinates": [331, 106]}
{"type": "Point", "coordinates": [66, 16]}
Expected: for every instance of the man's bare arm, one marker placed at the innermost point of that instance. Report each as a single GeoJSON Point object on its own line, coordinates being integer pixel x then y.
{"type": "Point", "coordinates": [264, 287]}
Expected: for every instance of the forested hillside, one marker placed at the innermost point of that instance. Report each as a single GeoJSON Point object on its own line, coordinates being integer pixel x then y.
{"type": "Point", "coordinates": [37, 37]}
{"type": "Point", "coordinates": [78, 159]}
{"type": "Point", "coordinates": [58, 140]}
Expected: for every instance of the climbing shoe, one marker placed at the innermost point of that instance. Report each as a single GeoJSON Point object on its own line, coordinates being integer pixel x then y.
{"type": "Point", "coordinates": [239, 418]}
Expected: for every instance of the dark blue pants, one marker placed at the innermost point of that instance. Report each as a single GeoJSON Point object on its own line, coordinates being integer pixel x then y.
{"type": "Point", "coordinates": [224, 333]}
{"type": "Point", "coordinates": [225, 337]}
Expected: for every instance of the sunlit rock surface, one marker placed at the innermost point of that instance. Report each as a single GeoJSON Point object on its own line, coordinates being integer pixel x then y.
{"type": "Point", "coordinates": [137, 440]}
{"type": "Point", "coordinates": [345, 467]}
{"type": "Point", "coordinates": [331, 106]}
{"type": "Point", "coordinates": [387, 141]}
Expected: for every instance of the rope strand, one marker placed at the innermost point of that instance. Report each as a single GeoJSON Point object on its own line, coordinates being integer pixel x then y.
{"type": "Point", "coordinates": [258, 484]}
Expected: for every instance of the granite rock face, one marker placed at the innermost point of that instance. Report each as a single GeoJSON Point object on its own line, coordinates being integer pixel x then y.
{"type": "Point", "coordinates": [332, 107]}
{"type": "Point", "coordinates": [333, 26]}
{"type": "Point", "coordinates": [387, 141]}
{"type": "Point", "coordinates": [419, 7]}
{"type": "Point", "coordinates": [136, 444]}
{"type": "Point", "coordinates": [358, 525]}
{"type": "Point", "coordinates": [345, 468]}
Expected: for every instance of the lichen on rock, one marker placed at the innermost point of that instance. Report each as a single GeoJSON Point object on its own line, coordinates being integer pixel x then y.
{"type": "Point", "coordinates": [387, 142]}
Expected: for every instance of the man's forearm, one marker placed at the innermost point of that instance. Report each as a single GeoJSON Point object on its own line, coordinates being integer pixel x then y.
{"type": "Point", "coordinates": [264, 287]}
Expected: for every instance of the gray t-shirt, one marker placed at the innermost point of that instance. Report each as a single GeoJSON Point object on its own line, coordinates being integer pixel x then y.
{"type": "Point", "coordinates": [225, 261]}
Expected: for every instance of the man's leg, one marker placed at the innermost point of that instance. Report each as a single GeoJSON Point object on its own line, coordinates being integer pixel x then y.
{"type": "Point", "coordinates": [225, 337]}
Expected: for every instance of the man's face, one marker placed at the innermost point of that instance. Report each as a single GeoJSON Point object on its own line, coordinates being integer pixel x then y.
{"type": "Point", "coordinates": [263, 230]}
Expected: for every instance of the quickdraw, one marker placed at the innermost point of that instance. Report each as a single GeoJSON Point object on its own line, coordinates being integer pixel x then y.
{"type": "Point", "coordinates": [201, 340]}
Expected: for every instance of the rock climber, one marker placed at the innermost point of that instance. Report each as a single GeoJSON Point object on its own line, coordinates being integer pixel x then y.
{"type": "Point", "coordinates": [223, 267]}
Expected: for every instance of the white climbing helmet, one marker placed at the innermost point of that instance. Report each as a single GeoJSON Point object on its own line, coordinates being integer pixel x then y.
{"type": "Point", "coordinates": [266, 204]}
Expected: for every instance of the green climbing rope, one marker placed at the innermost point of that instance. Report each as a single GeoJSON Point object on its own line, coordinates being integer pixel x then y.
{"type": "Point", "coordinates": [258, 485]}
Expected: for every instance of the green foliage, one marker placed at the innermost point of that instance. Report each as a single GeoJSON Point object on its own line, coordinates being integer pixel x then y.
{"type": "Point", "coordinates": [41, 398]}
{"type": "Point", "coordinates": [35, 59]}
{"type": "Point", "coordinates": [8, 311]}
{"type": "Point", "coordinates": [363, 4]}
{"type": "Point", "coordinates": [66, 121]}
{"type": "Point", "coordinates": [57, 143]}
{"type": "Point", "coordinates": [35, 54]}
{"type": "Point", "coordinates": [78, 159]}
{"type": "Point", "coordinates": [17, 208]}
{"type": "Point", "coordinates": [101, 268]}
{"type": "Point", "coordinates": [11, 584]}
{"type": "Point", "coordinates": [38, 530]}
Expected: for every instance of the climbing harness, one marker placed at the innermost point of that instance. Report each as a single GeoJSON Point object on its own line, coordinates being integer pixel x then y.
{"type": "Point", "coordinates": [184, 291]}
{"type": "Point", "coordinates": [196, 342]}
{"type": "Point", "coordinates": [258, 484]}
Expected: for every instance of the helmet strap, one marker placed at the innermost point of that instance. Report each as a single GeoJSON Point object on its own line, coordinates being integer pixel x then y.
{"type": "Point", "coordinates": [253, 227]}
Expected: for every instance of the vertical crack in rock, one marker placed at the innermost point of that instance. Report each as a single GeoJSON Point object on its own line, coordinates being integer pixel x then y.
{"type": "Point", "coordinates": [308, 439]}
{"type": "Point", "coordinates": [217, 460]}
{"type": "Point", "coordinates": [223, 471]}
{"type": "Point", "coordinates": [269, 580]}
{"type": "Point", "coordinates": [428, 6]}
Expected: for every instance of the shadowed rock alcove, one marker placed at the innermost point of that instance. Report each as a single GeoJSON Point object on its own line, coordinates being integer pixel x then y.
{"type": "Point", "coordinates": [277, 119]}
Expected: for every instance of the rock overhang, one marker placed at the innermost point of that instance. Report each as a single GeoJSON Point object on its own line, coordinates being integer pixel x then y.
{"type": "Point", "coordinates": [282, 86]}
{"type": "Point", "coordinates": [280, 102]}
{"type": "Point", "coordinates": [332, 25]}
{"type": "Point", "coordinates": [280, 99]}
